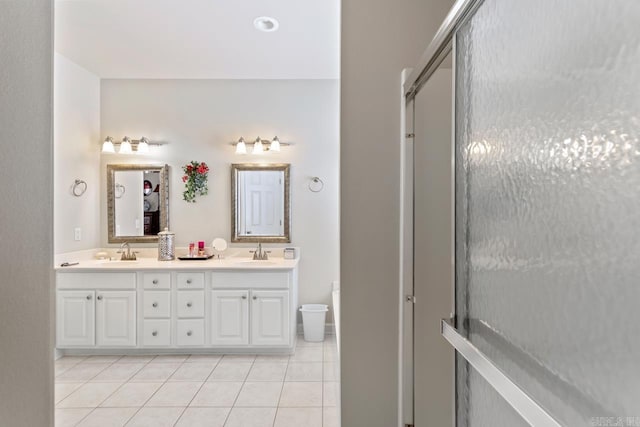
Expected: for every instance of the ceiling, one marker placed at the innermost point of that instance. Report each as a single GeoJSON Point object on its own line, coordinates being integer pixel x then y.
{"type": "Point", "coordinates": [200, 39]}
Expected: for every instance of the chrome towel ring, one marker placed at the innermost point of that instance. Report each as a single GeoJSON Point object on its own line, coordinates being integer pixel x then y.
{"type": "Point", "coordinates": [79, 187]}
{"type": "Point", "coordinates": [316, 184]}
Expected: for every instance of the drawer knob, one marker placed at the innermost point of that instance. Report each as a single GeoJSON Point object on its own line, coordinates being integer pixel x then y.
{"type": "Point", "coordinates": [155, 281]}
{"type": "Point", "coordinates": [155, 304]}
{"type": "Point", "coordinates": [189, 333]}
{"type": "Point", "coordinates": [154, 333]}
{"type": "Point", "coordinates": [244, 297]}
{"type": "Point", "coordinates": [89, 297]}
{"type": "Point", "coordinates": [99, 297]}
{"type": "Point", "coordinates": [188, 281]}
{"type": "Point", "coordinates": [255, 297]}
{"type": "Point", "coordinates": [189, 304]}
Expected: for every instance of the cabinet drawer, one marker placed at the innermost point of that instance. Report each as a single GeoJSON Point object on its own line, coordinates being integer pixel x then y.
{"type": "Point", "coordinates": [156, 333]}
{"type": "Point", "coordinates": [157, 304]}
{"type": "Point", "coordinates": [156, 280]}
{"type": "Point", "coordinates": [190, 332]}
{"type": "Point", "coordinates": [256, 280]}
{"type": "Point", "coordinates": [190, 280]}
{"type": "Point", "coordinates": [96, 280]}
{"type": "Point", "coordinates": [190, 303]}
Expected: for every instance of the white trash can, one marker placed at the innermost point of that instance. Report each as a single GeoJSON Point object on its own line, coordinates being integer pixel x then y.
{"type": "Point", "coordinates": [313, 318]}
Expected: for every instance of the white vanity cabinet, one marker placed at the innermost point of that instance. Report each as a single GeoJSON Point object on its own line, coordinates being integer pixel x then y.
{"type": "Point", "coordinates": [270, 317]}
{"type": "Point", "coordinates": [96, 310]}
{"type": "Point", "coordinates": [230, 317]}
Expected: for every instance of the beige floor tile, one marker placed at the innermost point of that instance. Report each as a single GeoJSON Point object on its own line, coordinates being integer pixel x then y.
{"type": "Point", "coordinates": [118, 372]}
{"type": "Point", "coordinates": [330, 353]}
{"type": "Point", "coordinates": [251, 417]}
{"type": "Point", "coordinates": [61, 367]}
{"type": "Point", "coordinates": [203, 417]}
{"type": "Point", "coordinates": [131, 394]}
{"type": "Point", "coordinates": [102, 359]}
{"type": "Point", "coordinates": [301, 394]}
{"type": "Point", "coordinates": [267, 372]}
{"type": "Point", "coordinates": [230, 371]}
{"type": "Point", "coordinates": [331, 371]}
{"type": "Point", "coordinates": [193, 372]}
{"type": "Point", "coordinates": [143, 358]}
{"type": "Point", "coordinates": [237, 358]}
{"type": "Point", "coordinates": [298, 417]}
{"type": "Point", "coordinates": [307, 354]}
{"type": "Point", "coordinates": [204, 358]}
{"type": "Point", "coordinates": [108, 417]}
{"type": "Point", "coordinates": [154, 372]}
{"type": "Point", "coordinates": [155, 417]}
{"type": "Point", "coordinates": [62, 390]}
{"type": "Point", "coordinates": [259, 394]}
{"type": "Point", "coordinates": [331, 417]}
{"type": "Point", "coordinates": [82, 372]}
{"type": "Point", "coordinates": [70, 417]}
{"type": "Point", "coordinates": [330, 394]}
{"type": "Point", "coordinates": [221, 394]}
{"type": "Point", "coordinates": [89, 395]}
{"type": "Point", "coordinates": [71, 359]}
{"type": "Point", "coordinates": [304, 371]}
{"type": "Point", "coordinates": [175, 394]}
{"type": "Point", "coordinates": [170, 358]}
{"type": "Point", "coordinates": [272, 358]}
{"type": "Point", "coordinates": [300, 342]}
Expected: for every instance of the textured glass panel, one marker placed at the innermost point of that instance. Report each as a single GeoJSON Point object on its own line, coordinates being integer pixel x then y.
{"type": "Point", "coordinates": [548, 202]}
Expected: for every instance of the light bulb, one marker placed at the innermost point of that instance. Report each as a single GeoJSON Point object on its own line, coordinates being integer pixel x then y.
{"type": "Point", "coordinates": [275, 145]}
{"type": "Point", "coordinates": [257, 147]}
{"type": "Point", "coordinates": [107, 145]}
{"type": "Point", "coordinates": [143, 145]}
{"type": "Point", "coordinates": [241, 148]}
{"type": "Point", "coordinates": [125, 146]}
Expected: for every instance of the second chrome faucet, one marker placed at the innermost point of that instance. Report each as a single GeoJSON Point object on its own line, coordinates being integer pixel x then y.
{"type": "Point", "coordinates": [259, 254]}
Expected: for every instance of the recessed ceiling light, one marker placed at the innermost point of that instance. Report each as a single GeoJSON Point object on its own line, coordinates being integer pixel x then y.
{"type": "Point", "coordinates": [266, 24]}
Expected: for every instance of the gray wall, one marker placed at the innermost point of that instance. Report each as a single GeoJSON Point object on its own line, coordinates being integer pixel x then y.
{"type": "Point", "coordinates": [26, 212]}
{"type": "Point", "coordinates": [379, 39]}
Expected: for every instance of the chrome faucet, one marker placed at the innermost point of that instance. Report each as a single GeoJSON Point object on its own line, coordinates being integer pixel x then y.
{"type": "Point", "coordinates": [259, 254]}
{"type": "Point", "coordinates": [128, 255]}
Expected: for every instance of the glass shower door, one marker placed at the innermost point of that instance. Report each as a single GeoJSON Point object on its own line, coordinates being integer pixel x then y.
{"type": "Point", "coordinates": [548, 209]}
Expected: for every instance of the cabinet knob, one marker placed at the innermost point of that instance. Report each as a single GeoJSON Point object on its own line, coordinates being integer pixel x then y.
{"type": "Point", "coordinates": [189, 304]}
{"type": "Point", "coordinates": [154, 333]}
{"type": "Point", "coordinates": [99, 297]}
{"type": "Point", "coordinates": [155, 281]}
{"type": "Point", "coordinates": [189, 333]}
{"type": "Point", "coordinates": [255, 297]}
{"type": "Point", "coordinates": [188, 281]}
{"type": "Point", "coordinates": [155, 304]}
{"type": "Point", "coordinates": [244, 297]}
{"type": "Point", "coordinates": [88, 297]}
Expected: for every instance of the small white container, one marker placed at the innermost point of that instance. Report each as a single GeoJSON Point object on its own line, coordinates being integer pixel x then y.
{"type": "Point", "coordinates": [313, 318]}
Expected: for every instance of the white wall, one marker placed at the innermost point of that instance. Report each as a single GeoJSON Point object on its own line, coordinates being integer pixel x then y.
{"type": "Point", "coordinates": [379, 39]}
{"type": "Point", "coordinates": [26, 214]}
{"type": "Point", "coordinates": [76, 155]}
{"type": "Point", "coordinates": [199, 118]}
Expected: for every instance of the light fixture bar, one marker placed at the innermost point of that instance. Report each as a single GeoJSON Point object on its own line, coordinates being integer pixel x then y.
{"type": "Point", "coordinates": [137, 145]}
{"type": "Point", "coordinates": [273, 145]}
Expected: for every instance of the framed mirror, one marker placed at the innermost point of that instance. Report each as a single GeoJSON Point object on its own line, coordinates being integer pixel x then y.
{"type": "Point", "coordinates": [137, 202]}
{"type": "Point", "coordinates": [260, 203]}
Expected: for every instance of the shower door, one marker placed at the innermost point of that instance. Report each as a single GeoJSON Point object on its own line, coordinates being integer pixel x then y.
{"type": "Point", "coordinates": [547, 211]}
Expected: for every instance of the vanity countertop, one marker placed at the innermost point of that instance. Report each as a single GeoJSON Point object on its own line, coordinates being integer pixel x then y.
{"type": "Point", "coordinates": [233, 263]}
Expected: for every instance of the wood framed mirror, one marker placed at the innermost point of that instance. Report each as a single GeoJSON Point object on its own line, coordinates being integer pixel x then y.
{"type": "Point", "coordinates": [137, 202]}
{"type": "Point", "coordinates": [260, 203]}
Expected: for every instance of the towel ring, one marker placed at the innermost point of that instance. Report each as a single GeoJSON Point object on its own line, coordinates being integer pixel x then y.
{"type": "Point", "coordinates": [79, 187]}
{"type": "Point", "coordinates": [119, 191]}
{"type": "Point", "coordinates": [316, 185]}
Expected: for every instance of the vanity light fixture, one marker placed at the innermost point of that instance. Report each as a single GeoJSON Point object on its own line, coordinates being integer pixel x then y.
{"type": "Point", "coordinates": [129, 146]}
{"type": "Point", "coordinates": [241, 147]}
{"type": "Point", "coordinates": [257, 146]}
{"type": "Point", "coordinates": [260, 146]}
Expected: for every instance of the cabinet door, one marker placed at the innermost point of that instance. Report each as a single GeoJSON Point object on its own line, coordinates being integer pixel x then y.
{"type": "Point", "coordinates": [75, 314]}
{"type": "Point", "coordinates": [270, 317]}
{"type": "Point", "coordinates": [116, 318]}
{"type": "Point", "coordinates": [230, 317]}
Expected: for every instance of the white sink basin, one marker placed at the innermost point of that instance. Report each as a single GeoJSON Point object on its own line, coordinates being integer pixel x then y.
{"type": "Point", "coordinates": [118, 261]}
{"type": "Point", "coordinates": [256, 262]}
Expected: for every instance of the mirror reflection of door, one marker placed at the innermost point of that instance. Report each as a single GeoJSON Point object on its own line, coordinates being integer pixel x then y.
{"type": "Point", "coordinates": [151, 203]}
{"type": "Point", "coordinates": [129, 206]}
{"type": "Point", "coordinates": [261, 205]}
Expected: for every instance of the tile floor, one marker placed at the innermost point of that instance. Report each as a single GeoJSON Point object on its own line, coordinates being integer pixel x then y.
{"type": "Point", "coordinates": [300, 390]}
